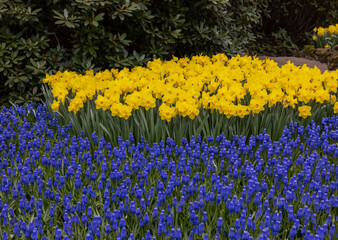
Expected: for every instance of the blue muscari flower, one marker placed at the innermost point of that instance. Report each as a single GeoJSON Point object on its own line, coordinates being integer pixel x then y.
{"type": "Point", "coordinates": [131, 237]}
{"type": "Point", "coordinates": [90, 212]}
{"type": "Point", "coordinates": [169, 219]}
{"type": "Point", "coordinates": [121, 207]}
{"type": "Point", "coordinates": [138, 212]}
{"type": "Point", "coordinates": [332, 231]}
{"type": "Point", "coordinates": [172, 233]}
{"type": "Point", "coordinates": [100, 185]}
{"type": "Point", "coordinates": [219, 224]}
{"type": "Point", "coordinates": [114, 224]}
{"type": "Point", "coordinates": [325, 229]}
{"type": "Point", "coordinates": [253, 225]}
{"type": "Point", "coordinates": [84, 218]}
{"type": "Point", "coordinates": [303, 231]}
{"type": "Point", "coordinates": [58, 233]}
{"type": "Point", "coordinates": [231, 233]}
{"type": "Point", "coordinates": [89, 236]}
{"type": "Point", "coordinates": [174, 203]}
{"type": "Point", "coordinates": [146, 218]}
{"type": "Point", "coordinates": [316, 237]}
{"type": "Point", "coordinates": [148, 235]}
{"type": "Point", "coordinates": [320, 232]}
{"type": "Point", "coordinates": [293, 232]}
{"type": "Point", "coordinates": [27, 233]}
{"type": "Point", "coordinates": [159, 229]}
{"type": "Point", "coordinates": [141, 223]}
{"type": "Point", "coordinates": [23, 226]}
{"type": "Point", "coordinates": [264, 186]}
{"type": "Point", "coordinates": [131, 137]}
{"type": "Point", "coordinates": [94, 138]}
{"type": "Point", "coordinates": [237, 224]}
{"type": "Point", "coordinates": [52, 211]}
{"type": "Point", "coordinates": [142, 204]}
{"type": "Point", "coordinates": [124, 233]}
{"type": "Point", "coordinates": [15, 194]}
{"type": "Point", "coordinates": [35, 234]}
{"type": "Point", "coordinates": [218, 199]}
{"type": "Point", "coordinates": [4, 235]}
{"type": "Point", "coordinates": [313, 221]}
{"type": "Point", "coordinates": [281, 203]}
{"type": "Point", "coordinates": [98, 233]}
{"type": "Point", "coordinates": [245, 235]}
{"type": "Point", "coordinates": [257, 199]}
{"type": "Point", "coordinates": [132, 207]}
{"type": "Point", "coordinates": [122, 223]}
{"type": "Point", "coordinates": [204, 217]}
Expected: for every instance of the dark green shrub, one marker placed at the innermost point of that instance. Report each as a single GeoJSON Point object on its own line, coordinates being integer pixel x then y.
{"type": "Point", "coordinates": [39, 37]}
{"type": "Point", "coordinates": [287, 24]}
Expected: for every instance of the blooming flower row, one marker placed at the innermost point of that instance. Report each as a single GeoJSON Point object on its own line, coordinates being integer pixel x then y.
{"type": "Point", "coordinates": [326, 37]}
{"type": "Point", "coordinates": [239, 86]}
{"type": "Point", "coordinates": [333, 29]}
{"type": "Point", "coordinates": [58, 186]}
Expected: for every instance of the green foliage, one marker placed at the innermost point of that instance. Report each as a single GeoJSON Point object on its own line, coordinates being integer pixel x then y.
{"type": "Point", "coordinates": [39, 37]}
{"type": "Point", "coordinates": [148, 124]}
{"type": "Point", "coordinates": [286, 24]}
{"type": "Point", "coordinates": [279, 43]}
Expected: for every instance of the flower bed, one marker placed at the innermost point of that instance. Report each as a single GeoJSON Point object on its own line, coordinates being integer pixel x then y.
{"type": "Point", "coordinates": [185, 97]}
{"type": "Point", "coordinates": [55, 185]}
{"type": "Point", "coordinates": [326, 37]}
{"type": "Point", "coordinates": [235, 87]}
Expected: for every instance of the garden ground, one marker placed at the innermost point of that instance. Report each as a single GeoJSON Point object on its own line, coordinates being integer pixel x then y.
{"type": "Point", "coordinates": [298, 62]}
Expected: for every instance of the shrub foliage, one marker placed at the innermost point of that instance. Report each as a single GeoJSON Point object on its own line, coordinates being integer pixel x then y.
{"type": "Point", "coordinates": [39, 37]}
{"type": "Point", "coordinates": [286, 25]}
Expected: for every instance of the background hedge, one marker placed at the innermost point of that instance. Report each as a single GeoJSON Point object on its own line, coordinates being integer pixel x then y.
{"type": "Point", "coordinates": [39, 37]}
{"type": "Point", "coordinates": [288, 25]}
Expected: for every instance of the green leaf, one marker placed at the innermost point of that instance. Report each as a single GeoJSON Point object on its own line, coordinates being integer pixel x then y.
{"type": "Point", "coordinates": [99, 17]}
{"type": "Point", "coordinates": [60, 22]}
{"type": "Point", "coordinates": [65, 13]}
{"type": "Point", "coordinates": [33, 62]}
{"type": "Point", "coordinates": [92, 51]}
{"type": "Point", "coordinates": [69, 24]}
{"type": "Point", "coordinates": [95, 23]}
{"type": "Point", "coordinates": [59, 15]}
{"type": "Point", "coordinates": [176, 33]}
{"type": "Point", "coordinates": [88, 65]}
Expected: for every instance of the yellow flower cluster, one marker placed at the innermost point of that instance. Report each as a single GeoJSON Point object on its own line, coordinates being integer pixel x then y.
{"type": "Point", "coordinates": [238, 86]}
{"type": "Point", "coordinates": [326, 37]}
{"type": "Point", "coordinates": [332, 29]}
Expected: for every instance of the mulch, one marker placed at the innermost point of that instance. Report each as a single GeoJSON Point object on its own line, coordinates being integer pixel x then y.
{"type": "Point", "coordinates": [298, 62]}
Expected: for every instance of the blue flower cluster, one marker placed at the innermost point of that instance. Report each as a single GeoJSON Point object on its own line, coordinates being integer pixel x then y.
{"type": "Point", "coordinates": [55, 185]}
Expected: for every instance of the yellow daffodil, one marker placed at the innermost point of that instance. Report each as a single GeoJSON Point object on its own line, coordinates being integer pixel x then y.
{"type": "Point", "coordinates": [55, 105]}
{"type": "Point", "coordinates": [238, 86]}
{"type": "Point", "coordinates": [335, 108]}
{"type": "Point", "coordinates": [304, 111]}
